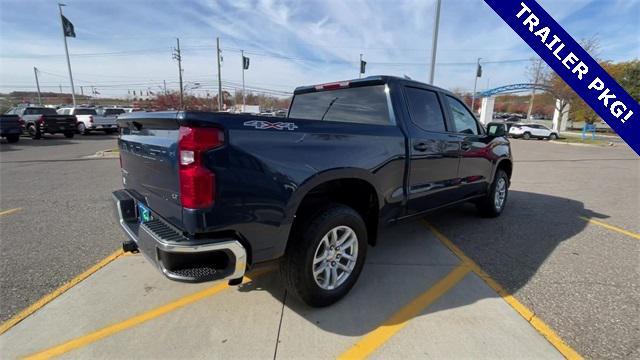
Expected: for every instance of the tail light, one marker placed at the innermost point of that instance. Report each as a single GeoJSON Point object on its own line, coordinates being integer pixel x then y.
{"type": "Point", "coordinates": [197, 183]}
{"type": "Point", "coordinates": [21, 121]}
{"type": "Point", "coordinates": [41, 120]}
{"type": "Point", "coordinates": [91, 118]}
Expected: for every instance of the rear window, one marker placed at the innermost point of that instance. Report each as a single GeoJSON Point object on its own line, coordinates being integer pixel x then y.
{"type": "Point", "coordinates": [85, 112]}
{"type": "Point", "coordinates": [364, 105]}
{"type": "Point", "coordinates": [108, 112]}
{"type": "Point", "coordinates": [40, 111]}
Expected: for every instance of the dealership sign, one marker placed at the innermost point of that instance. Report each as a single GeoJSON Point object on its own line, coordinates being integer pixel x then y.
{"type": "Point", "coordinates": [574, 65]}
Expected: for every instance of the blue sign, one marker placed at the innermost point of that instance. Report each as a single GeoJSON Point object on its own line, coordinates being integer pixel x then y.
{"type": "Point", "coordinates": [574, 65]}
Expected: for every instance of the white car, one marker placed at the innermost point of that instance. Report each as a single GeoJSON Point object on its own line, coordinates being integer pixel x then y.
{"type": "Point", "coordinates": [88, 120]}
{"type": "Point", "coordinates": [529, 131]}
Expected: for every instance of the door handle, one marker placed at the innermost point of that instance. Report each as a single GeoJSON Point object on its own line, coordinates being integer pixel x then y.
{"type": "Point", "coordinates": [465, 146]}
{"type": "Point", "coordinates": [420, 146]}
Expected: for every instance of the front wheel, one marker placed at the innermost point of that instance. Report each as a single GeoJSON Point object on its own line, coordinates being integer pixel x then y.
{"type": "Point", "coordinates": [494, 202]}
{"type": "Point", "coordinates": [82, 129]}
{"type": "Point", "coordinates": [325, 256]}
{"type": "Point", "coordinates": [526, 136]}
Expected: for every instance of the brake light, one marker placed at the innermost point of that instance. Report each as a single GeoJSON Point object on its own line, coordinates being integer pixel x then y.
{"type": "Point", "coordinates": [90, 118]}
{"type": "Point", "coordinates": [333, 86]}
{"type": "Point", "coordinates": [21, 121]}
{"type": "Point", "coordinates": [197, 183]}
{"type": "Point", "coordinates": [41, 120]}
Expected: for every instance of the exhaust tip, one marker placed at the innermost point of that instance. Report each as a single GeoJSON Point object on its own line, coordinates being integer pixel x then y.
{"type": "Point", "coordinates": [130, 246]}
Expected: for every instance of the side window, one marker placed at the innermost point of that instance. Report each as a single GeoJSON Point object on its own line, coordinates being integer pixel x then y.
{"type": "Point", "coordinates": [462, 118]}
{"type": "Point", "coordinates": [425, 109]}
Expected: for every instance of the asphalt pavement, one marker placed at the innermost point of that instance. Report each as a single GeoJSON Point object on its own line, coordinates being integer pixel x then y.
{"type": "Point", "coordinates": [64, 223]}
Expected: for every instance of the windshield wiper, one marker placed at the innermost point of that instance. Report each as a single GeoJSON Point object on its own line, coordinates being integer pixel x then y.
{"type": "Point", "coordinates": [328, 108]}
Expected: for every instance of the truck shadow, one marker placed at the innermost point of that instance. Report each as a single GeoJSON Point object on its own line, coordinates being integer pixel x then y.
{"type": "Point", "coordinates": [409, 260]}
{"type": "Point", "coordinates": [54, 140]}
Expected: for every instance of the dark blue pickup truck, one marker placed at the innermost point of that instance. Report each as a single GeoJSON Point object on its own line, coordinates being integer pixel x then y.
{"type": "Point", "coordinates": [208, 195]}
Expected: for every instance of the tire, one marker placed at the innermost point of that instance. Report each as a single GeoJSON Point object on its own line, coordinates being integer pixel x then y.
{"type": "Point", "coordinates": [69, 135]}
{"type": "Point", "coordinates": [553, 137]}
{"type": "Point", "coordinates": [313, 240]}
{"type": "Point", "coordinates": [34, 132]}
{"type": "Point", "coordinates": [82, 129]}
{"type": "Point", "coordinates": [526, 136]}
{"type": "Point", "coordinates": [13, 138]}
{"type": "Point", "coordinates": [489, 206]}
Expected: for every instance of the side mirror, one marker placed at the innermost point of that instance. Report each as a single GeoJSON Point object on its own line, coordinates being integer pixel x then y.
{"type": "Point", "coordinates": [496, 130]}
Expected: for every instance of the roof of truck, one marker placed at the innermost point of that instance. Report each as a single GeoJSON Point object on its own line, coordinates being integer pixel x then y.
{"type": "Point", "coordinates": [383, 79]}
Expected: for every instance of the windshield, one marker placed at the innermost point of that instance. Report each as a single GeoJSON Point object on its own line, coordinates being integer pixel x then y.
{"type": "Point", "coordinates": [85, 112]}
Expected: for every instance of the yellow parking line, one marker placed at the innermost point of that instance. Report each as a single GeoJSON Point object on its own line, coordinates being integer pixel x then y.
{"type": "Point", "coordinates": [537, 323]}
{"type": "Point", "coordinates": [57, 292]}
{"type": "Point", "coordinates": [611, 227]}
{"type": "Point", "coordinates": [10, 211]}
{"type": "Point", "coordinates": [136, 320]}
{"type": "Point", "coordinates": [376, 338]}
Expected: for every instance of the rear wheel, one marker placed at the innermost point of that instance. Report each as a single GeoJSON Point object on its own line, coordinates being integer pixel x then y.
{"type": "Point", "coordinates": [494, 202]}
{"type": "Point", "coordinates": [553, 136]}
{"type": "Point", "coordinates": [526, 136]}
{"type": "Point", "coordinates": [325, 256]}
{"type": "Point", "coordinates": [13, 138]}
{"type": "Point", "coordinates": [34, 132]}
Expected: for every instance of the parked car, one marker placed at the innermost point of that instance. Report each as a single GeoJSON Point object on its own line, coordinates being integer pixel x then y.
{"type": "Point", "coordinates": [37, 121]}
{"type": "Point", "coordinates": [208, 195]}
{"type": "Point", "coordinates": [109, 116]}
{"type": "Point", "coordinates": [10, 128]}
{"type": "Point", "coordinates": [532, 131]}
{"type": "Point", "coordinates": [88, 120]}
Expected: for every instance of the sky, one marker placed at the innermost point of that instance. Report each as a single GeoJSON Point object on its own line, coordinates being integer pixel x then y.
{"type": "Point", "coordinates": [123, 46]}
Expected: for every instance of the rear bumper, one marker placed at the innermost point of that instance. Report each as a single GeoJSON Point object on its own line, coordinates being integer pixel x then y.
{"type": "Point", "coordinates": [176, 256]}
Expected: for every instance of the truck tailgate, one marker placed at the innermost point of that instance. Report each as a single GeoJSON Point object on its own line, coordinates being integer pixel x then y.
{"type": "Point", "coordinates": [148, 149]}
{"type": "Point", "coordinates": [60, 122]}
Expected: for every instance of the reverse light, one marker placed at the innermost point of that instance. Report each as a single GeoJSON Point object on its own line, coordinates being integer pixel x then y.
{"type": "Point", "coordinates": [197, 182]}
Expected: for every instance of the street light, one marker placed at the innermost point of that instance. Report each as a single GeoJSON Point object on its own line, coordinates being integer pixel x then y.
{"type": "Point", "coordinates": [475, 84]}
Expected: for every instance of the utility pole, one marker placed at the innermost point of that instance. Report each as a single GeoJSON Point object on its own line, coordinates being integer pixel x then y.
{"type": "Point", "coordinates": [220, 95]}
{"type": "Point", "coordinates": [360, 68]}
{"type": "Point", "coordinates": [60, 86]}
{"type": "Point", "coordinates": [178, 56]}
{"type": "Point", "coordinates": [81, 90]}
{"type": "Point", "coordinates": [243, 96]}
{"type": "Point", "coordinates": [35, 72]}
{"type": "Point", "coordinates": [165, 87]}
{"type": "Point", "coordinates": [475, 84]}
{"type": "Point", "coordinates": [66, 49]}
{"type": "Point", "coordinates": [434, 42]}
{"type": "Point", "coordinates": [533, 91]}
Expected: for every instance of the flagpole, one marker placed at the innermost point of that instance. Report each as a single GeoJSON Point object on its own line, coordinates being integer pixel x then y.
{"type": "Point", "coordinates": [243, 96]}
{"type": "Point", "coordinates": [66, 49]}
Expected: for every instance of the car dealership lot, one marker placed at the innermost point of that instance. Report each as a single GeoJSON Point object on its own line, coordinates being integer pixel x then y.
{"type": "Point", "coordinates": [579, 277]}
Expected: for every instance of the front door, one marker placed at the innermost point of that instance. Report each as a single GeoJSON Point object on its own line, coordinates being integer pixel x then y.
{"type": "Point", "coordinates": [476, 157]}
{"type": "Point", "coordinates": [434, 152]}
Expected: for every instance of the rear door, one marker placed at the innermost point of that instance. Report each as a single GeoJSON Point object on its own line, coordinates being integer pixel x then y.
{"type": "Point", "coordinates": [475, 171]}
{"type": "Point", "coordinates": [434, 152]}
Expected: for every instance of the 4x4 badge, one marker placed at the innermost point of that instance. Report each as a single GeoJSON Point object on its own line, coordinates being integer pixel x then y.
{"type": "Point", "coordinates": [262, 125]}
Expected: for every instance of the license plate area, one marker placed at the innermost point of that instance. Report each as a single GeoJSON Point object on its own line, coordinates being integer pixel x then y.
{"type": "Point", "coordinates": [144, 214]}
